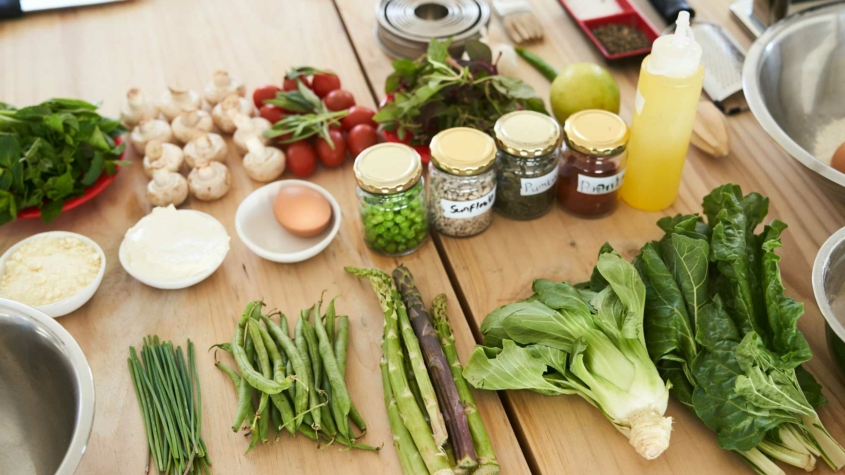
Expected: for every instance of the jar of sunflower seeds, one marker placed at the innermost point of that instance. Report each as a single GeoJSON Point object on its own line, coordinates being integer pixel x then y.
{"type": "Point", "coordinates": [462, 181]}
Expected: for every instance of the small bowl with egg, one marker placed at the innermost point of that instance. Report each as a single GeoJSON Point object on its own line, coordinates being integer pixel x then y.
{"type": "Point", "coordinates": [288, 221]}
{"type": "Point", "coordinates": [55, 272]}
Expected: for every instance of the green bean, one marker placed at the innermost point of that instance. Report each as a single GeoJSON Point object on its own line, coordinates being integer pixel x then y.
{"type": "Point", "coordinates": [329, 426]}
{"type": "Point", "coordinates": [330, 320]}
{"type": "Point", "coordinates": [273, 353]}
{"type": "Point", "coordinates": [233, 375]}
{"type": "Point", "coordinates": [313, 348]}
{"type": "Point", "coordinates": [302, 347]}
{"type": "Point", "coordinates": [244, 404]}
{"type": "Point", "coordinates": [281, 402]}
{"type": "Point", "coordinates": [276, 418]}
{"type": "Point", "coordinates": [292, 391]}
{"type": "Point", "coordinates": [227, 347]}
{"type": "Point", "coordinates": [255, 379]}
{"type": "Point", "coordinates": [298, 366]}
{"type": "Point", "coordinates": [263, 364]}
{"type": "Point", "coordinates": [264, 425]}
{"type": "Point", "coordinates": [341, 345]}
{"type": "Point", "coordinates": [341, 401]}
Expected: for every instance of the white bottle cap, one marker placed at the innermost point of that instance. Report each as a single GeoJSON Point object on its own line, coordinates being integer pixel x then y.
{"type": "Point", "coordinates": [676, 55]}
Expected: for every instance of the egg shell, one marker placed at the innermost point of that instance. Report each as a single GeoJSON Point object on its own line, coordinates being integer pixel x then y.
{"type": "Point", "coordinates": [302, 211]}
{"type": "Point", "coordinates": [838, 160]}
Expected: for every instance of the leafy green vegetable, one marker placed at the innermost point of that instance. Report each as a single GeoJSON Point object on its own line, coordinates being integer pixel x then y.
{"type": "Point", "coordinates": [556, 343]}
{"type": "Point", "coordinates": [438, 92]}
{"type": "Point", "coordinates": [51, 152]}
{"type": "Point", "coordinates": [741, 374]}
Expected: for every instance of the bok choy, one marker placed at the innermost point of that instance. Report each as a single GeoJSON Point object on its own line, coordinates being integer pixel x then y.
{"type": "Point", "coordinates": [721, 331]}
{"type": "Point", "coordinates": [567, 340]}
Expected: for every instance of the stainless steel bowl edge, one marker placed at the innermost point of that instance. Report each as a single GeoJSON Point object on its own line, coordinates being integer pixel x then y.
{"type": "Point", "coordinates": [76, 363]}
{"type": "Point", "coordinates": [821, 268]}
{"type": "Point", "coordinates": [768, 44]}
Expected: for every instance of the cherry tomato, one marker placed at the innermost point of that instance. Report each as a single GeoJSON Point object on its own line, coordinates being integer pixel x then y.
{"type": "Point", "coordinates": [264, 93]}
{"type": "Point", "coordinates": [301, 159]}
{"type": "Point", "coordinates": [358, 115]}
{"type": "Point", "coordinates": [339, 100]}
{"type": "Point", "coordinates": [272, 113]}
{"type": "Point", "coordinates": [290, 84]}
{"type": "Point", "coordinates": [324, 84]}
{"type": "Point", "coordinates": [361, 137]}
{"type": "Point", "coordinates": [332, 157]}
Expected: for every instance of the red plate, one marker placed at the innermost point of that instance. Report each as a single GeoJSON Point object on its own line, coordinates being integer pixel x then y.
{"type": "Point", "coordinates": [629, 16]}
{"type": "Point", "coordinates": [423, 150]}
{"type": "Point", "coordinates": [101, 184]}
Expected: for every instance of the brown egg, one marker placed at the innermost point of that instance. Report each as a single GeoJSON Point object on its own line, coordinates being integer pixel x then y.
{"type": "Point", "coordinates": [302, 211]}
{"type": "Point", "coordinates": [838, 160]}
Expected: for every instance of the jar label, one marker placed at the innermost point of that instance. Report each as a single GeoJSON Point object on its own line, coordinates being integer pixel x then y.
{"type": "Point", "coordinates": [535, 186]}
{"type": "Point", "coordinates": [468, 209]}
{"type": "Point", "coordinates": [595, 185]}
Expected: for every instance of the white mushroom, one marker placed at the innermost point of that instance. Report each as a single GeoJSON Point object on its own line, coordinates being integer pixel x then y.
{"type": "Point", "coordinates": [137, 108]}
{"type": "Point", "coordinates": [221, 85]}
{"type": "Point", "coordinates": [222, 115]}
{"type": "Point", "coordinates": [175, 98]}
{"type": "Point", "coordinates": [207, 147]}
{"type": "Point", "coordinates": [150, 129]}
{"type": "Point", "coordinates": [209, 181]}
{"type": "Point", "coordinates": [162, 155]}
{"type": "Point", "coordinates": [167, 188]}
{"type": "Point", "coordinates": [249, 127]}
{"type": "Point", "coordinates": [191, 123]}
{"type": "Point", "coordinates": [263, 163]}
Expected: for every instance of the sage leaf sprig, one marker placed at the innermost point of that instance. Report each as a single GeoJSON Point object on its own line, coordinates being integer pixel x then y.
{"type": "Point", "coordinates": [52, 152]}
{"type": "Point", "coordinates": [310, 116]}
{"type": "Point", "coordinates": [437, 92]}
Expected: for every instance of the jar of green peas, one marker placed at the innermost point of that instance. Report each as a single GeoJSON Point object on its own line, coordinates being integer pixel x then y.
{"type": "Point", "coordinates": [391, 196]}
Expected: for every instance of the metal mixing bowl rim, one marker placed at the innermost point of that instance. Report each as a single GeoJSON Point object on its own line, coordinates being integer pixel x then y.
{"type": "Point", "coordinates": [82, 372]}
{"type": "Point", "coordinates": [754, 97]}
{"type": "Point", "coordinates": [819, 268]}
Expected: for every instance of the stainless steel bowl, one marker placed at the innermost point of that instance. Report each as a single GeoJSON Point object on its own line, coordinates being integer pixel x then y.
{"type": "Point", "coordinates": [46, 394]}
{"type": "Point", "coordinates": [829, 288]}
{"type": "Point", "coordinates": [794, 81]}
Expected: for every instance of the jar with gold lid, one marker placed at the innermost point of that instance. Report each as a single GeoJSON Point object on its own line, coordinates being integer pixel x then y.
{"type": "Point", "coordinates": [593, 164]}
{"type": "Point", "coordinates": [391, 198]}
{"type": "Point", "coordinates": [526, 164]}
{"type": "Point", "coordinates": [462, 182]}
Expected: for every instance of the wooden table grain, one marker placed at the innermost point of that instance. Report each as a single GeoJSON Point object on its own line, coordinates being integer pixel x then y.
{"type": "Point", "coordinates": [97, 54]}
{"type": "Point", "coordinates": [565, 435]}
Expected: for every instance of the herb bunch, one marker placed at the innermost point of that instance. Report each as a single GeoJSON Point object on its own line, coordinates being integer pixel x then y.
{"type": "Point", "coordinates": [307, 115]}
{"type": "Point", "coordinates": [437, 92]}
{"type": "Point", "coordinates": [52, 152]}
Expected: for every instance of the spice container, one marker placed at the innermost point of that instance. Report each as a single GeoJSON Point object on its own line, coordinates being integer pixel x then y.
{"type": "Point", "coordinates": [526, 164]}
{"type": "Point", "coordinates": [462, 186]}
{"type": "Point", "coordinates": [593, 164]}
{"type": "Point", "coordinates": [391, 196]}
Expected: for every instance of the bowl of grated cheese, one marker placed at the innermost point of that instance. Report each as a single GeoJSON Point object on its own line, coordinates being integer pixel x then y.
{"type": "Point", "coordinates": [55, 272]}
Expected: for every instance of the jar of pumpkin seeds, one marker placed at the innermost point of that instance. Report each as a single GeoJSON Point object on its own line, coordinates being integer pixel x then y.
{"type": "Point", "coordinates": [462, 181]}
{"type": "Point", "coordinates": [526, 164]}
{"type": "Point", "coordinates": [391, 198]}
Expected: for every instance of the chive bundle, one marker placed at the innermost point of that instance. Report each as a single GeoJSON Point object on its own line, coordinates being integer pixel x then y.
{"type": "Point", "coordinates": [169, 395]}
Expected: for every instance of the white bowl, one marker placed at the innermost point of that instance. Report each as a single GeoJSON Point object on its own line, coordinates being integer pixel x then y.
{"type": "Point", "coordinates": [70, 304]}
{"type": "Point", "coordinates": [172, 284]}
{"type": "Point", "coordinates": [258, 229]}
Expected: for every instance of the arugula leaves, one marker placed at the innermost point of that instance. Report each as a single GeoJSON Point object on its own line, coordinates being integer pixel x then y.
{"type": "Point", "coordinates": [438, 92]}
{"type": "Point", "coordinates": [52, 152]}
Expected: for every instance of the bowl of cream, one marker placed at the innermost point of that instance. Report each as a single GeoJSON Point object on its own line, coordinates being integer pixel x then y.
{"type": "Point", "coordinates": [174, 249]}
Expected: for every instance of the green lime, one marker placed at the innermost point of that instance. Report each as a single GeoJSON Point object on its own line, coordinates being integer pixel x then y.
{"type": "Point", "coordinates": [583, 86]}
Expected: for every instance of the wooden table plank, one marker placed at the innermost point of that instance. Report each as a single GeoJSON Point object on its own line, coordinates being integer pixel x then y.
{"type": "Point", "coordinates": [97, 54]}
{"type": "Point", "coordinates": [564, 434]}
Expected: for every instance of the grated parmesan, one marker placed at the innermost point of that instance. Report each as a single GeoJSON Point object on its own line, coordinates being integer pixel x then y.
{"type": "Point", "coordinates": [48, 269]}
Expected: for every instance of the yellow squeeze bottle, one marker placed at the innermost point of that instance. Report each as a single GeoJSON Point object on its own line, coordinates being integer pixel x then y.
{"type": "Point", "coordinates": [667, 100]}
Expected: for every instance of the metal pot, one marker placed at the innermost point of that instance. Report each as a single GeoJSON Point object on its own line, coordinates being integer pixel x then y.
{"type": "Point", "coordinates": [794, 83]}
{"type": "Point", "coordinates": [829, 288]}
{"type": "Point", "coordinates": [46, 394]}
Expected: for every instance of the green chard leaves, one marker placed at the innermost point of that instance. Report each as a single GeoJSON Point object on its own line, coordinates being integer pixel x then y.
{"type": "Point", "coordinates": [52, 152]}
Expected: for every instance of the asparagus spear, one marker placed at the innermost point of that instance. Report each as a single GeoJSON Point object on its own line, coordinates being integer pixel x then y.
{"type": "Point", "coordinates": [483, 447]}
{"type": "Point", "coordinates": [435, 460]}
{"type": "Point", "coordinates": [417, 364]}
{"type": "Point", "coordinates": [409, 456]}
{"type": "Point", "coordinates": [438, 368]}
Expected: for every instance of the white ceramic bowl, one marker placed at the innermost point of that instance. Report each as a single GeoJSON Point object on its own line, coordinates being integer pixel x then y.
{"type": "Point", "coordinates": [70, 304]}
{"type": "Point", "coordinates": [172, 284]}
{"type": "Point", "coordinates": [258, 229]}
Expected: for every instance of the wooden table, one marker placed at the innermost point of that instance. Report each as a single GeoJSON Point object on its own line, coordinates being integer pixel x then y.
{"type": "Point", "coordinates": [98, 53]}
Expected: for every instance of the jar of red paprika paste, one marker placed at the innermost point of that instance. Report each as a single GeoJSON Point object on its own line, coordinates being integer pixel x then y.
{"type": "Point", "coordinates": [593, 164]}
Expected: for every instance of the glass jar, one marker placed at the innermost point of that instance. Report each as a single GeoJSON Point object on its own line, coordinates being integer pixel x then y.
{"type": "Point", "coordinates": [462, 182]}
{"type": "Point", "coordinates": [593, 164]}
{"type": "Point", "coordinates": [391, 198]}
{"type": "Point", "coordinates": [526, 164]}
